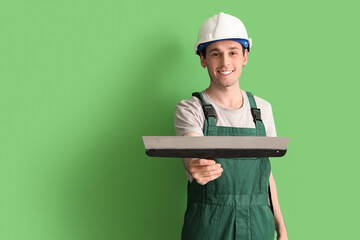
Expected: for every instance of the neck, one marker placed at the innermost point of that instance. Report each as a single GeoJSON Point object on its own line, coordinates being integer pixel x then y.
{"type": "Point", "coordinates": [227, 97]}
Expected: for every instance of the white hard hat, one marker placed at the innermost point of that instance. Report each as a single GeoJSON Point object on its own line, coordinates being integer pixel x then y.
{"type": "Point", "coordinates": [222, 27]}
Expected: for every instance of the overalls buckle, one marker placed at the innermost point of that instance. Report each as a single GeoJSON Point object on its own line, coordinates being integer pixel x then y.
{"type": "Point", "coordinates": [209, 110]}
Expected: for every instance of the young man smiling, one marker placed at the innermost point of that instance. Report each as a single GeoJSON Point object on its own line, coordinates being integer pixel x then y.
{"type": "Point", "coordinates": [224, 61]}
{"type": "Point", "coordinates": [228, 198]}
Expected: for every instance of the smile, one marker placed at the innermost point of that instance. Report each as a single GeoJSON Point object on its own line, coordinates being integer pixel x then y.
{"type": "Point", "coordinates": [225, 72]}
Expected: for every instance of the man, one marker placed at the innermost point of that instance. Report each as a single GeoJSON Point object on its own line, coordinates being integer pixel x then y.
{"type": "Point", "coordinates": [228, 198]}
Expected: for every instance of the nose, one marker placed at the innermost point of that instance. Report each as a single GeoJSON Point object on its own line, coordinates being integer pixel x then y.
{"type": "Point", "coordinates": [225, 60]}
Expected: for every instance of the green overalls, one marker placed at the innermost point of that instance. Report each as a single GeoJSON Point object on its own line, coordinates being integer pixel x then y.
{"type": "Point", "coordinates": [234, 206]}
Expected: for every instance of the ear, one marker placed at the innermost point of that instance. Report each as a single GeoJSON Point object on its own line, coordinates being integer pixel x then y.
{"type": "Point", "coordinates": [202, 60]}
{"type": "Point", "coordinates": [245, 57]}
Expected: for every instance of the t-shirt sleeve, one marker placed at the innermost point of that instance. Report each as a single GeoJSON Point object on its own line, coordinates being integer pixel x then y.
{"type": "Point", "coordinates": [270, 123]}
{"type": "Point", "coordinates": [189, 117]}
{"type": "Point", "coordinates": [267, 116]}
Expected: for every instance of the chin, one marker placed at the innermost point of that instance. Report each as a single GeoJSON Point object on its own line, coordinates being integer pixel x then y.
{"type": "Point", "coordinates": [228, 84]}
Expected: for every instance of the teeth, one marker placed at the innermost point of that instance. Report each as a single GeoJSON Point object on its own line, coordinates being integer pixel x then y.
{"type": "Point", "coordinates": [226, 72]}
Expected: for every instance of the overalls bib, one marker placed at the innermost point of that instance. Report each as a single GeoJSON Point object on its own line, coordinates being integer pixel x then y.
{"type": "Point", "coordinates": [235, 205]}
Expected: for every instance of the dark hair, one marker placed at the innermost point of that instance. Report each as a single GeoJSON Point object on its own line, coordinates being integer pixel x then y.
{"type": "Point", "coordinates": [203, 52]}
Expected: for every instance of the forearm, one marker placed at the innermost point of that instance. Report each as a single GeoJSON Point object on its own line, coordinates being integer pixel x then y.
{"type": "Point", "coordinates": [186, 161]}
{"type": "Point", "coordinates": [279, 220]}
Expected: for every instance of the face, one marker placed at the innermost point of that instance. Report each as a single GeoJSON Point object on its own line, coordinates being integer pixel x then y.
{"type": "Point", "coordinates": [224, 61]}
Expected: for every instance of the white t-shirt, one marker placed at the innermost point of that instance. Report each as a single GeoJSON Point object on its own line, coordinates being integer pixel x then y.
{"type": "Point", "coordinates": [189, 115]}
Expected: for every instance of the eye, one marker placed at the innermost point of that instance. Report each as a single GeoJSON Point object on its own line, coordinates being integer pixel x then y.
{"type": "Point", "coordinates": [215, 54]}
{"type": "Point", "coordinates": [233, 53]}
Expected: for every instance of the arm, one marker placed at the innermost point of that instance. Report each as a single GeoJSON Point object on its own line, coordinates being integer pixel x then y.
{"type": "Point", "coordinates": [279, 220]}
{"type": "Point", "coordinates": [203, 170]}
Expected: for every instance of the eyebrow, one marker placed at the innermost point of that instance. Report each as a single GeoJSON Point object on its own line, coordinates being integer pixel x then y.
{"type": "Point", "coordinates": [216, 49]}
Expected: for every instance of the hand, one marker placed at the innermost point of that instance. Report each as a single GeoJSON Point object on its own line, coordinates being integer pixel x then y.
{"type": "Point", "coordinates": [205, 170]}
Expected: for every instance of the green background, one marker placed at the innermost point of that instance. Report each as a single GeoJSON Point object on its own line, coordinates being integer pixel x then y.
{"type": "Point", "coordinates": [82, 81]}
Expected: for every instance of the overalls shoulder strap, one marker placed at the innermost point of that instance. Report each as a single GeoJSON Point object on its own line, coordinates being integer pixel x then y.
{"type": "Point", "coordinates": [256, 113]}
{"type": "Point", "coordinates": [199, 96]}
{"type": "Point", "coordinates": [209, 112]}
{"type": "Point", "coordinates": [260, 130]}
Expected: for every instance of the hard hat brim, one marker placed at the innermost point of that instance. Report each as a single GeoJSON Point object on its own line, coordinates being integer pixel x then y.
{"type": "Point", "coordinates": [243, 42]}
